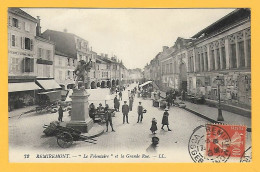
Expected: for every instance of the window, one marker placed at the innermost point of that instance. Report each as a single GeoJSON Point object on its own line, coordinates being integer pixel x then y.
{"type": "Point", "coordinates": [68, 62]}
{"type": "Point", "coordinates": [68, 74]}
{"type": "Point", "coordinates": [15, 22]}
{"type": "Point", "coordinates": [14, 66]}
{"type": "Point", "coordinates": [223, 52]}
{"type": "Point", "coordinates": [248, 44]}
{"type": "Point", "coordinates": [233, 59]}
{"type": "Point", "coordinates": [48, 71]}
{"type": "Point", "coordinates": [198, 62]}
{"type": "Point", "coordinates": [48, 54]}
{"type": "Point", "coordinates": [218, 58]}
{"type": "Point", "coordinates": [241, 51]}
{"type": "Point", "coordinates": [206, 61]}
{"type": "Point", "coordinates": [212, 65]}
{"type": "Point", "coordinates": [60, 61]}
{"type": "Point", "coordinates": [171, 68]}
{"type": "Point", "coordinates": [13, 40]}
{"type": "Point", "coordinates": [202, 62]}
{"type": "Point", "coordinates": [27, 27]}
{"type": "Point", "coordinates": [74, 62]}
{"type": "Point", "coordinates": [28, 64]}
{"type": "Point", "coordinates": [60, 75]}
{"type": "Point", "coordinates": [175, 67]}
{"type": "Point", "coordinates": [39, 53]}
{"type": "Point", "coordinates": [28, 43]}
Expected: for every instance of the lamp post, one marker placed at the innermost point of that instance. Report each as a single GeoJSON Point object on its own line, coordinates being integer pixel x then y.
{"type": "Point", "coordinates": [220, 117]}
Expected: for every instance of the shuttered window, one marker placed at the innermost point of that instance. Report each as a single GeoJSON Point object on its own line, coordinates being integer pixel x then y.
{"type": "Point", "coordinates": [28, 64]}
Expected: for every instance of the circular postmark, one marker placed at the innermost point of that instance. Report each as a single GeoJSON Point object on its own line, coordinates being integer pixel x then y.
{"type": "Point", "coordinates": [209, 143]}
{"type": "Point", "coordinates": [247, 155]}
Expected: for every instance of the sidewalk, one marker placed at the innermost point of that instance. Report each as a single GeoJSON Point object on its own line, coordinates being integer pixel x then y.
{"type": "Point", "coordinates": [211, 114]}
{"type": "Point", "coordinates": [18, 112]}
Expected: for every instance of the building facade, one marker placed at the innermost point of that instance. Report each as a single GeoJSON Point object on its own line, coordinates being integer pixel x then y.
{"type": "Point", "coordinates": [222, 50]}
{"type": "Point", "coordinates": [72, 49]}
{"type": "Point", "coordinates": [30, 59]}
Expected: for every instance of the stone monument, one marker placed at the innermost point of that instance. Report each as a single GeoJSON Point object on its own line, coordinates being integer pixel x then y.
{"type": "Point", "coordinates": [80, 119]}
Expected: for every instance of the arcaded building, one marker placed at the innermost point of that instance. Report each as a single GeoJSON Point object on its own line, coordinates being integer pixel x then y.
{"type": "Point", "coordinates": [222, 50]}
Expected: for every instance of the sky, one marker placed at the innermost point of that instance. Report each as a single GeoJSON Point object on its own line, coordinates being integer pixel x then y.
{"type": "Point", "coordinates": [135, 36]}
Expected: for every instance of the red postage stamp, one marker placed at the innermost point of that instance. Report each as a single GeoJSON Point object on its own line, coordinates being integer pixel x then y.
{"type": "Point", "coordinates": [225, 140]}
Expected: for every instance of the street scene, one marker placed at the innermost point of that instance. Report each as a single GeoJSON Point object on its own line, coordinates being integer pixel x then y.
{"type": "Point", "coordinates": [70, 102]}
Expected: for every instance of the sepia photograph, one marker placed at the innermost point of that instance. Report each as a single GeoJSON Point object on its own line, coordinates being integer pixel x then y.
{"type": "Point", "coordinates": [129, 85]}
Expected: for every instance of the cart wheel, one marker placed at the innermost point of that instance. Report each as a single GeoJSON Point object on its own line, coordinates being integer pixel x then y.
{"type": "Point", "coordinates": [64, 139]}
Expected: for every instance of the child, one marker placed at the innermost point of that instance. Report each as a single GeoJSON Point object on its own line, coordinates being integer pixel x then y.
{"type": "Point", "coordinates": [154, 126]}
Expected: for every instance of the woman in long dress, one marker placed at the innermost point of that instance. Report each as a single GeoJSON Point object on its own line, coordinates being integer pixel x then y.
{"type": "Point", "coordinates": [165, 120]}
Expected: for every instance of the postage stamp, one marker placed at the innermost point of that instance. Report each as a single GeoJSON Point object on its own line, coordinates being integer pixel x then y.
{"type": "Point", "coordinates": [217, 143]}
{"type": "Point", "coordinates": [218, 140]}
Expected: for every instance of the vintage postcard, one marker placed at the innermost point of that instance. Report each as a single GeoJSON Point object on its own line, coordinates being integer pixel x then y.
{"type": "Point", "coordinates": [123, 85]}
{"type": "Point", "coordinates": [129, 85]}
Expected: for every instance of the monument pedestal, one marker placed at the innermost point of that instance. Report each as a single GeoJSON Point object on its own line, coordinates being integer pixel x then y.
{"type": "Point", "coordinates": [80, 119]}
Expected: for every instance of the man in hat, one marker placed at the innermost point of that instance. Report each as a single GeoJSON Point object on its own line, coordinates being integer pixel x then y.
{"type": "Point", "coordinates": [108, 118]}
{"type": "Point", "coordinates": [125, 111]}
{"type": "Point", "coordinates": [140, 112]}
{"type": "Point", "coordinates": [165, 120]}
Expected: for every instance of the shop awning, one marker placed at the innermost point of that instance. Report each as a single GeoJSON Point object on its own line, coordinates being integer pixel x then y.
{"type": "Point", "coordinates": [144, 84]}
{"type": "Point", "coordinates": [24, 86]}
{"type": "Point", "coordinates": [49, 84]}
{"type": "Point", "coordinates": [53, 95]}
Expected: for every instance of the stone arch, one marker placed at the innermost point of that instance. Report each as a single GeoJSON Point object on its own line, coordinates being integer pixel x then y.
{"type": "Point", "coordinates": [117, 82]}
{"type": "Point", "coordinates": [109, 84]}
{"type": "Point", "coordinates": [103, 84]}
{"type": "Point", "coordinates": [93, 85]}
{"type": "Point", "coordinates": [113, 82]}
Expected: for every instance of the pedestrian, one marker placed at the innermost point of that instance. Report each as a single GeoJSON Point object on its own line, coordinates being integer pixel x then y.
{"type": "Point", "coordinates": [129, 93]}
{"type": "Point", "coordinates": [120, 95]}
{"type": "Point", "coordinates": [183, 95]}
{"type": "Point", "coordinates": [125, 111]}
{"type": "Point", "coordinates": [108, 118]}
{"type": "Point", "coordinates": [152, 149]}
{"type": "Point", "coordinates": [131, 101]}
{"type": "Point", "coordinates": [60, 114]}
{"type": "Point", "coordinates": [92, 110]}
{"type": "Point", "coordinates": [116, 103]}
{"type": "Point", "coordinates": [154, 126]}
{"type": "Point", "coordinates": [165, 120]}
{"type": "Point", "coordinates": [140, 112]}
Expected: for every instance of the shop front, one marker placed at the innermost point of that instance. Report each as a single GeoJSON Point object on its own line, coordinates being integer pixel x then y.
{"type": "Point", "coordinates": [21, 94]}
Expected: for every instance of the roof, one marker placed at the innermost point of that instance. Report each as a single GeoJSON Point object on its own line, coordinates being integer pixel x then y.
{"type": "Point", "coordinates": [21, 13]}
{"type": "Point", "coordinates": [64, 42]}
{"type": "Point", "coordinates": [61, 54]}
{"type": "Point", "coordinates": [228, 20]}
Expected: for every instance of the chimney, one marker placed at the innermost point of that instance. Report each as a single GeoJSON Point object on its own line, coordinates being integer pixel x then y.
{"type": "Point", "coordinates": [38, 26]}
{"type": "Point", "coordinates": [102, 55]}
{"type": "Point", "coordinates": [65, 30]}
{"type": "Point", "coordinates": [106, 55]}
{"type": "Point", "coordinates": [165, 48]}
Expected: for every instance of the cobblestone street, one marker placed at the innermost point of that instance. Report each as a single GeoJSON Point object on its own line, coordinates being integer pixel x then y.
{"type": "Point", "coordinates": [26, 133]}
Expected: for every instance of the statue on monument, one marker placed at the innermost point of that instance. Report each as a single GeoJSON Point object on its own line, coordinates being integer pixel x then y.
{"type": "Point", "coordinates": [81, 73]}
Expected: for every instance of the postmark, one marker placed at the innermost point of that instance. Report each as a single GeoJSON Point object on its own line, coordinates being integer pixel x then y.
{"type": "Point", "coordinates": [204, 148]}
{"type": "Point", "coordinates": [218, 140]}
{"type": "Point", "coordinates": [247, 155]}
